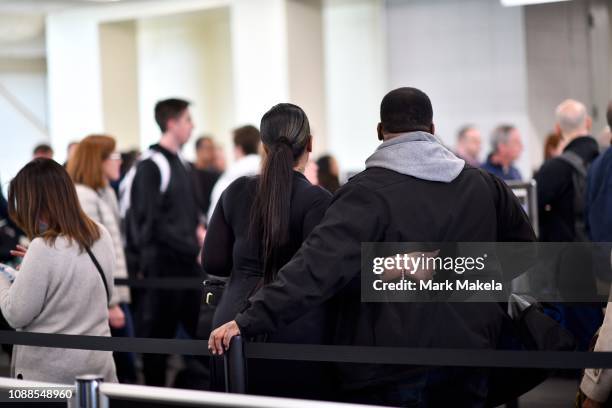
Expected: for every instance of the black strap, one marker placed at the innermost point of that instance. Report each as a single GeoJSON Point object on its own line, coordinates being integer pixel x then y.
{"type": "Point", "coordinates": [99, 268]}
{"type": "Point", "coordinates": [575, 161]}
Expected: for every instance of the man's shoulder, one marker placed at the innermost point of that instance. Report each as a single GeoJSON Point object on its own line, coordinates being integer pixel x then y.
{"type": "Point", "coordinates": [603, 163]}
{"type": "Point", "coordinates": [147, 167]}
{"type": "Point", "coordinates": [554, 167]}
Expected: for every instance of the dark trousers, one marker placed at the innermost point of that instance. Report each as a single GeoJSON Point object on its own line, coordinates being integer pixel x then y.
{"type": "Point", "coordinates": [438, 387]}
{"type": "Point", "coordinates": [159, 312]}
{"type": "Point", "coordinates": [125, 362]}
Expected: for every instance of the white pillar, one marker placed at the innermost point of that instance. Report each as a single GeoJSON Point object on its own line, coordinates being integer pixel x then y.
{"type": "Point", "coordinates": [73, 66]}
{"type": "Point", "coordinates": [356, 77]}
{"type": "Point", "coordinates": [259, 57]}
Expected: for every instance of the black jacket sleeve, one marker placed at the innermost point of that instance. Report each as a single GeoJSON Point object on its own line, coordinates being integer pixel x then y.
{"type": "Point", "coordinates": [327, 261]}
{"type": "Point", "coordinates": [217, 257]}
{"type": "Point", "coordinates": [145, 207]}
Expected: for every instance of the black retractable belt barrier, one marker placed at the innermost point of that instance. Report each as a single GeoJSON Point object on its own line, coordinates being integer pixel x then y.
{"type": "Point", "coordinates": [336, 354]}
{"type": "Point", "coordinates": [161, 283]}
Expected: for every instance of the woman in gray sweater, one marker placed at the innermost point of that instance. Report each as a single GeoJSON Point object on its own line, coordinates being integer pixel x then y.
{"type": "Point", "coordinates": [58, 288]}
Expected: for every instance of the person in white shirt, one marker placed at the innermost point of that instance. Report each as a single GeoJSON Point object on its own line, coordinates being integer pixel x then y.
{"type": "Point", "coordinates": [248, 162]}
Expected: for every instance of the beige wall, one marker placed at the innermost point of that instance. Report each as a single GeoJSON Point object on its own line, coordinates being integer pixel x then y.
{"type": "Point", "coordinates": [306, 65]}
{"type": "Point", "coordinates": [566, 58]}
{"type": "Point", "coordinates": [187, 56]}
{"type": "Point", "coordinates": [119, 60]}
{"type": "Point", "coordinates": [23, 112]}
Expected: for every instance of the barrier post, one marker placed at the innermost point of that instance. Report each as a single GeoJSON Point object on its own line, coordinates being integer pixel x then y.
{"type": "Point", "coordinates": [87, 391]}
{"type": "Point", "coordinates": [234, 363]}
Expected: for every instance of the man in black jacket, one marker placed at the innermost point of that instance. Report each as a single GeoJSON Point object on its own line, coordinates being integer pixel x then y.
{"type": "Point", "coordinates": [560, 220]}
{"type": "Point", "coordinates": [561, 198]}
{"type": "Point", "coordinates": [413, 190]}
{"type": "Point", "coordinates": [161, 226]}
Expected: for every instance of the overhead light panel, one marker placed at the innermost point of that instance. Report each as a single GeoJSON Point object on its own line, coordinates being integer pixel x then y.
{"type": "Point", "coordinates": [511, 3]}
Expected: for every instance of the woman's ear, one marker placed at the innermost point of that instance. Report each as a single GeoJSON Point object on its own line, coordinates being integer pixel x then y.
{"type": "Point", "coordinates": [309, 145]}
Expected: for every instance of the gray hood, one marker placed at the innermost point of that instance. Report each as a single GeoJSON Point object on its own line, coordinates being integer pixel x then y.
{"type": "Point", "coordinates": [417, 154]}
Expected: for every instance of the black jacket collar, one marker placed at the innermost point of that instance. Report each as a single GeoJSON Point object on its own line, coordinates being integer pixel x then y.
{"type": "Point", "coordinates": [584, 146]}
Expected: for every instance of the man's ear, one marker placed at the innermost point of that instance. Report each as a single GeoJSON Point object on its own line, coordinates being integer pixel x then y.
{"type": "Point", "coordinates": [589, 123]}
{"type": "Point", "coordinates": [170, 123]}
{"type": "Point", "coordinates": [379, 130]}
{"type": "Point", "coordinates": [558, 130]}
{"type": "Point", "coordinates": [432, 129]}
{"type": "Point", "coordinates": [309, 145]}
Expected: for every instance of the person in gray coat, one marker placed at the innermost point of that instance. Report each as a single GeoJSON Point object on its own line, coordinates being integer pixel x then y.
{"type": "Point", "coordinates": [58, 288]}
{"type": "Point", "coordinates": [94, 165]}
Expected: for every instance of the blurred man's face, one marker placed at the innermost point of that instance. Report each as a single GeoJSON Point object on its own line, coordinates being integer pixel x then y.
{"type": "Point", "coordinates": [471, 142]}
{"type": "Point", "coordinates": [181, 127]}
{"type": "Point", "coordinates": [513, 149]}
{"type": "Point", "coordinates": [220, 162]}
{"type": "Point", "coordinates": [206, 151]}
{"type": "Point", "coordinates": [334, 168]}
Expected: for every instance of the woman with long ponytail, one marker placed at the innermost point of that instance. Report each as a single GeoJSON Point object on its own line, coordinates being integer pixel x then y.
{"type": "Point", "coordinates": [258, 225]}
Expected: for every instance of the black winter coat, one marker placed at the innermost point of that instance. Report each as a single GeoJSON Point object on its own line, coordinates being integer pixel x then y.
{"type": "Point", "coordinates": [380, 205]}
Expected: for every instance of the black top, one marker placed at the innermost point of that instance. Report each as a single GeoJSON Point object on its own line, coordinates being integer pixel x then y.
{"type": "Point", "coordinates": [556, 192]}
{"type": "Point", "coordinates": [229, 249]}
{"type": "Point", "coordinates": [158, 222]}
{"type": "Point", "coordinates": [380, 205]}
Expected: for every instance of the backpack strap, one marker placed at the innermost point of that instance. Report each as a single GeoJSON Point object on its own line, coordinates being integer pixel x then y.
{"type": "Point", "coordinates": [164, 170]}
{"type": "Point", "coordinates": [579, 176]}
{"type": "Point", "coordinates": [99, 268]}
{"type": "Point", "coordinates": [575, 161]}
{"type": "Point", "coordinates": [125, 187]}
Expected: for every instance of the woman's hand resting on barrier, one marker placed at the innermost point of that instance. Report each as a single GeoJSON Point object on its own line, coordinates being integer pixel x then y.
{"type": "Point", "coordinates": [220, 338]}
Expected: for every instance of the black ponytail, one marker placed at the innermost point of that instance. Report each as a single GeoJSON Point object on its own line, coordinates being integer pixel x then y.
{"type": "Point", "coordinates": [285, 133]}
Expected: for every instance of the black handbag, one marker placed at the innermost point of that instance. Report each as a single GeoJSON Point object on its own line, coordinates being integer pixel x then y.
{"type": "Point", "coordinates": [212, 290]}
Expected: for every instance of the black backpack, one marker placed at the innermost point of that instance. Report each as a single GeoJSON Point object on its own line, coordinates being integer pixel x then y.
{"type": "Point", "coordinates": [579, 182]}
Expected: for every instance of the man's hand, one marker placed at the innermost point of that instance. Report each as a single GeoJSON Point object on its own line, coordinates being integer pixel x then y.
{"type": "Point", "coordinates": [419, 274]}
{"type": "Point", "coordinates": [220, 338]}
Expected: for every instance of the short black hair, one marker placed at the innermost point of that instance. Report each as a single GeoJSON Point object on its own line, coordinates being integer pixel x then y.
{"type": "Point", "coordinates": [42, 149]}
{"type": "Point", "coordinates": [405, 110]}
{"type": "Point", "coordinates": [201, 140]}
{"type": "Point", "coordinates": [169, 109]}
{"type": "Point", "coordinates": [248, 139]}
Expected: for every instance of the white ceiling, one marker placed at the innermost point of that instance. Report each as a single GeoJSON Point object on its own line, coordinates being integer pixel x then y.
{"type": "Point", "coordinates": [39, 7]}
{"type": "Point", "coordinates": [22, 24]}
